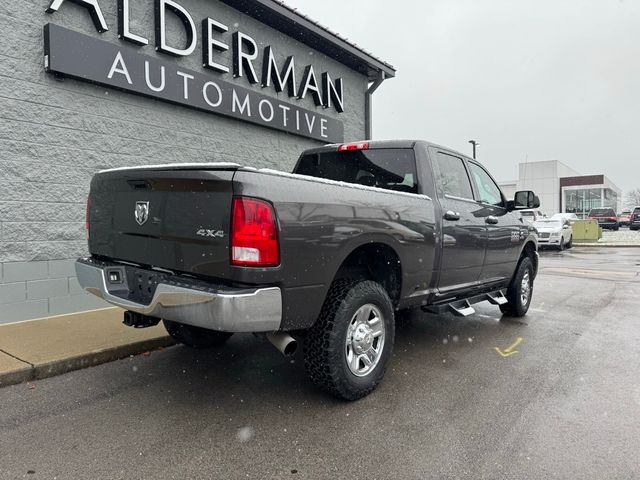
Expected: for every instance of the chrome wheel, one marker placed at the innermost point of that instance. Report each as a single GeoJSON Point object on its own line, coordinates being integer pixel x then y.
{"type": "Point", "coordinates": [525, 288]}
{"type": "Point", "coordinates": [365, 340]}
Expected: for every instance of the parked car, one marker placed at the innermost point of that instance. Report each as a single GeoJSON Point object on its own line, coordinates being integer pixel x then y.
{"type": "Point", "coordinates": [634, 220]}
{"type": "Point", "coordinates": [572, 217]}
{"type": "Point", "coordinates": [554, 232]}
{"type": "Point", "coordinates": [532, 216]}
{"type": "Point", "coordinates": [326, 254]}
{"type": "Point", "coordinates": [624, 219]}
{"type": "Point", "coordinates": [606, 217]}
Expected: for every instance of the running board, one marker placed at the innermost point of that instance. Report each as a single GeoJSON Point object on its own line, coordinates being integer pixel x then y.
{"type": "Point", "coordinates": [496, 298]}
{"type": "Point", "coordinates": [463, 308]}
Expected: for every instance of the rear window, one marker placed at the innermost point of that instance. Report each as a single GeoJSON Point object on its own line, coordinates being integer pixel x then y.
{"type": "Point", "coordinates": [602, 212]}
{"type": "Point", "coordinates": [390, 168]}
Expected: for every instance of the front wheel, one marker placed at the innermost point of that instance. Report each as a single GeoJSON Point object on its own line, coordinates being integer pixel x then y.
{"type": "Point", "coordinates": [570, 242]}
{"type": "Point", "coordinates": [195, 337]}
{"type": "Point", "coordinates": [347, 350]}
{"type": "Point", "coordinates": [520, 291]}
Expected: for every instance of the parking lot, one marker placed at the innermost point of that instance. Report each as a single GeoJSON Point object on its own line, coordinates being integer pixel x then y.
{"type": "Point", "coordinates": [555, 396]}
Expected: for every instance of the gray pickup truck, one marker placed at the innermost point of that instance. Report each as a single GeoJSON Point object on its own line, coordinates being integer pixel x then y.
{"type": "Point", "coordinates": [325, 255]}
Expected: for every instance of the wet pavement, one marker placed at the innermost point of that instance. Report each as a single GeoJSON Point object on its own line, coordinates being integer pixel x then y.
{"type": "Point", "coordinates": [554, 396]}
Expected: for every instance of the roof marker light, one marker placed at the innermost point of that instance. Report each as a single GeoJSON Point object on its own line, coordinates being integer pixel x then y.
{"type": "Point", "coordinates": [347, 147]}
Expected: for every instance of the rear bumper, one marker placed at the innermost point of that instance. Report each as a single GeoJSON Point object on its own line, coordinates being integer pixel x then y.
{"type": "Point", "coordinates": [608, 224]}
{"type": "Point", "coordinates": [192, 303]}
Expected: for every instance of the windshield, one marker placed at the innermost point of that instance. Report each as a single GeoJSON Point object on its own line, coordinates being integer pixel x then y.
{"type": "Point", "coordinates": [602, 212]}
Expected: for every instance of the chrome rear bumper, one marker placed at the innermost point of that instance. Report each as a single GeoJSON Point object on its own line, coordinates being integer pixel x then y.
{"type": "Point", "coordinates": [215, 308]}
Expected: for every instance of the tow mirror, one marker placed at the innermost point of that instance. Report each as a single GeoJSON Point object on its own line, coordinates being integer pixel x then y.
{"type": "Point", "coordinates": [525, 199]}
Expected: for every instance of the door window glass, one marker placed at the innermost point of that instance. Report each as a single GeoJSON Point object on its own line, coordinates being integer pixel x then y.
{"type": "Point", "coordinates": [453, 176]}
{"type": "Point", "coordinates": [487, 188]}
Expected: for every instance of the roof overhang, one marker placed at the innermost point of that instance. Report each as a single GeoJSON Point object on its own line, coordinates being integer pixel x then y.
{"type": "Point", "coordinates": [293, 24]}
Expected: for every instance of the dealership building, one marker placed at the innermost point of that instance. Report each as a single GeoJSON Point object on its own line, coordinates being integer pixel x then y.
{"type": "Point", "coordinates": [562, 189]}
{"type": "Point", "coordinates": [87, 85]}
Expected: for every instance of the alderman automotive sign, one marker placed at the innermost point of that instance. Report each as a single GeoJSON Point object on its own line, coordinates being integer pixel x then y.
{"type": "Point", "coordinates": [123, 66]}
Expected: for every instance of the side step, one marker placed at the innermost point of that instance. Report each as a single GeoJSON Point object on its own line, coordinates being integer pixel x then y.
{"type": "Point", "coordinates": [496, 298]}
{"type": "Point", "coordinates": [463, 308]}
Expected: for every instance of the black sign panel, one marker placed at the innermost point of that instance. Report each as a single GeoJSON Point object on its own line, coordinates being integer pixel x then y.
{"type": "Point", "coordinates": [86, 58]}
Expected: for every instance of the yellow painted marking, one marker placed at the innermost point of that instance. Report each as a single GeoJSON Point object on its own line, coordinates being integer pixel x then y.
{"type": "Point", "coordinates": [507, 352]}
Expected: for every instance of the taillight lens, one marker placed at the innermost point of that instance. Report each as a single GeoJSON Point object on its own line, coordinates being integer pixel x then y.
{"type": "Point", "coordinates": [254, 233]}
{"type": "Point", "coordinates": [87, 218]}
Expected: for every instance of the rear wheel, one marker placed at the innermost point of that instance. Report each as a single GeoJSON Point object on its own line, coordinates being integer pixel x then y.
{"type": "Point", "coordinates": [520, 291]}
{"type": "Point", "coordinates": [348, 348]}
{"type": "Point", "coordinates": [195, 337]}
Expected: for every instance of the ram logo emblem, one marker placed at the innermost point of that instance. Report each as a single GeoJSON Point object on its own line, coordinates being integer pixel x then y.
{"type": "Point", "coordinates": [142, 212]}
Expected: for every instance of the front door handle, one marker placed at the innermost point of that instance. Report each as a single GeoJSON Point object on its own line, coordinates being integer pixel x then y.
{"type": "Point", "coordinates": [491, 220]}
{"type": "Point", "coordinates": [451, 215]}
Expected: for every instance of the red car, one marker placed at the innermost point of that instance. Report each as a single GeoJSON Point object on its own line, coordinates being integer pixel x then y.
{"type": "Point", "coordinates": [624, 219]}
{"type": "Point", "coordinates": [606, 217]}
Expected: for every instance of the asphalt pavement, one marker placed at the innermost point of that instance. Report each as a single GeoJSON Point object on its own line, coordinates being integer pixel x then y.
{"type": "Point", "coordinates": [556, 395]}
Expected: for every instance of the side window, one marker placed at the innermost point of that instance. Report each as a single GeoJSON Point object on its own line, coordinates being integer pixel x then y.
{"type": "Point", "coordinates": [453, 176]}
{"type": "Point", "coordinates": [487, 188]}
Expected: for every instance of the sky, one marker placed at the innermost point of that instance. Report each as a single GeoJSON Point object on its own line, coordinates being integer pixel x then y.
{"type": "Point", "coordinates": [529, 80]}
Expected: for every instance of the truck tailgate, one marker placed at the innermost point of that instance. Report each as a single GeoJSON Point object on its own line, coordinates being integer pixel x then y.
{"type": "Point", "coordinates": [176, 219]}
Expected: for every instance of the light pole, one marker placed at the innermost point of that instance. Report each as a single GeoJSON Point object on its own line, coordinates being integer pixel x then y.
{"type": "Point", "coordinates": [475, 144]}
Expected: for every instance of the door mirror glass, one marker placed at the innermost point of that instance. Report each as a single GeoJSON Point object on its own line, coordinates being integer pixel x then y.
{"type": "Point", "coordinates": [526, 199]}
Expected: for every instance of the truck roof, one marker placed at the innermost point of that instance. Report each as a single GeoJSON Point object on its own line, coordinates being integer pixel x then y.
{"type": "Point", "coordinates": [379, 144]}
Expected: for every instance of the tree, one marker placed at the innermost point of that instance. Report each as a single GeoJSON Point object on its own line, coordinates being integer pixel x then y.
{"type": "Point", "coordinates": [632, 198]}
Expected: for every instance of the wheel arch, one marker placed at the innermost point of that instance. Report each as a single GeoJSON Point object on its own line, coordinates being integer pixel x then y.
{"type": "Point", "coordinates": [377, 261]}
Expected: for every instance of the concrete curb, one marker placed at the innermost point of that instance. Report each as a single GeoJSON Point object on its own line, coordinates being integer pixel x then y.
{"type": "Point", "coordinates": [58, 367]}
{"type": "Point", "coordinates": [607, 245]}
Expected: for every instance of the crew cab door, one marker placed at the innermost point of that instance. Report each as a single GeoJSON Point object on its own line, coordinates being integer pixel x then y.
{"type": "Point", "coordinates": [505, 231]}
{"type": "Point", "coordinates": [463, 232]}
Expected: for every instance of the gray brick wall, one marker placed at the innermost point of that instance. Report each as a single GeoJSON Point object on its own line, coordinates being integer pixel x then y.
{"type": "Point", "coordinates": [54, 135]}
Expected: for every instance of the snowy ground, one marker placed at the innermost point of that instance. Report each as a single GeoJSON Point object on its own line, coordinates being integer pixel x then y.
{"type": "Point", "coordinates": [623, 237]}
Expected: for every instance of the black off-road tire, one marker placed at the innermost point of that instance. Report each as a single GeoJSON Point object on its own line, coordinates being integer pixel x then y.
{"type": "Point", "coordinates": [195, 337]}
{"type": "Point", "coordinates": [324, 345]}
{"type": "Point", "coordinates": [515, 306]}
{"type": "Point", "coordinates": [561, 245]}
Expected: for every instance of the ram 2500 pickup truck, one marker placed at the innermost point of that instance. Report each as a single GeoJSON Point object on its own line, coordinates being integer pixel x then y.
{"type": "Point", "coordinates": [325, 255]}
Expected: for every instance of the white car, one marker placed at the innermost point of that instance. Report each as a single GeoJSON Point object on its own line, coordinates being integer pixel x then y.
{"type": "Point", "coordinates": [572, 217]}
{"type": "Point", "coordinates": [531, 216]}
{"type": "Point", "coordinates": [554, 231]}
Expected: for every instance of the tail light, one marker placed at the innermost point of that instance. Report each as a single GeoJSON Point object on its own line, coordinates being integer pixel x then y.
{"type": "Point", "coordinates": [254, 233]}
{"type": "Point", "coordinates": [87, 217]}
{"type": "Point", "coordinates": [347, 147]}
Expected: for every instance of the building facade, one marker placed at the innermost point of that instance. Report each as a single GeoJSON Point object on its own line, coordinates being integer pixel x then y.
{"type": "Point", "coordinates": [562, 189]}
{"type": "Point", "coordinates": [91, 85]}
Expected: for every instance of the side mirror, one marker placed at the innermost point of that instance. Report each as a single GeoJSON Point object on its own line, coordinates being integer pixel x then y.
{"type": "Point", "coordinates": [525, 199]}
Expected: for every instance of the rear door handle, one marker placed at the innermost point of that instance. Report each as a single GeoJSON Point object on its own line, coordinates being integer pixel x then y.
{"type": "Point", "coordinates": [451, 215]}
{"type": "Point", "coordinates": [491, 220]}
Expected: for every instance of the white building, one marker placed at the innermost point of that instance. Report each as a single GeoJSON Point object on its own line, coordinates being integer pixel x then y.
{"type": "Point", "coordinates": [562, 189]}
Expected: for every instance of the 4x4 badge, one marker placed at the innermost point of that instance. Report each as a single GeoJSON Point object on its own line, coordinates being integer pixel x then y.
{"type": "Point", "coordinates": [142, 212]}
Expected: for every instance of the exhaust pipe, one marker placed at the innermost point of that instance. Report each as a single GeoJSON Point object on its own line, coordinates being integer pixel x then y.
{"type": "Point", "coordinates": [285, 343]}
